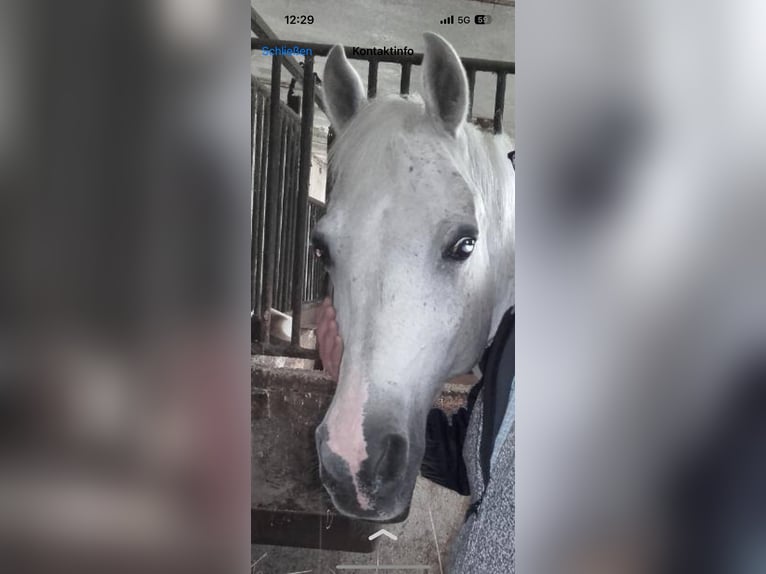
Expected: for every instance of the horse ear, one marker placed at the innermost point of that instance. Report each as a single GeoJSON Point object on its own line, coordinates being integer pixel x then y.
{"type": "Point", "coordinates": [445, 83]}
{"type": "Point", "coordinates": [343, 89]}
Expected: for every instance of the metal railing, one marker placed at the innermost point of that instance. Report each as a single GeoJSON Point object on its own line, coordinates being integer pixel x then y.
{"type": "Point", "coordinates": [284, 273]}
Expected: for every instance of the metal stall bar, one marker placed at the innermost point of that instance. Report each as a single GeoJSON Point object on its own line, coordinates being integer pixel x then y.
{"type": "Point", "coordinates": [284, 221]}
{"type": "Point", "coordinates": [257, 123]}
{"type": "Point", "coordinates": [317, 273]}
{"type": "Point", "coordinates": [263, 193]}
{"type": "Point", "coordinates": [328, 177]}
{"type": "Point", "coordinates": [304, 174]}
{"type": "Point", "coordinates": [271, 198]}
{"type": "Point", "coordinates": [471, 73]}
{"type": "Point", "coordinates": [253, 99]}
{"type": "Point", "coordinates": [326, 283]}
{"type": "Point", "coordinates": [312, 260]}
{"type": "Point", "coordinates": [309, 267]}
{"type": "Point", "coordinates": [499, 102]}
{"type": "Point", "coordinates": [261, 124]}
{"type": "Point", "coordinates": [372, 79]}
{"type": "Point", "coordinates": [279, 220]}
{"type": "Point", "coordinates": [404, 82]}
{"type": "Point", "coordinates": [292, 192]}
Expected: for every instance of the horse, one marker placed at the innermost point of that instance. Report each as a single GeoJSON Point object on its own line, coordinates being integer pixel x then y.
{"type": "Point", "coordinates": [418, 239]}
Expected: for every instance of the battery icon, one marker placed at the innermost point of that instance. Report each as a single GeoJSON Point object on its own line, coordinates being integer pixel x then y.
{"type": "Point", "coordinates": [482, 19]}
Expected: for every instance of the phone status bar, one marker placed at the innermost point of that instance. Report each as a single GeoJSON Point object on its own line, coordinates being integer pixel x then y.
{"type": "Point", "coordinates": [477, 19]}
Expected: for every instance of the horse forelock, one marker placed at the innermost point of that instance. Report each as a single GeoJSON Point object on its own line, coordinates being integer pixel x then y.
{"type": "Point", "coordinates": [393, 127]}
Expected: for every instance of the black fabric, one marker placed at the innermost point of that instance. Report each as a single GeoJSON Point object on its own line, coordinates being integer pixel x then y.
{"type": "Point", "coordinates": [443, 459]}
{"type": "Point", "coordinates": [497, 387]}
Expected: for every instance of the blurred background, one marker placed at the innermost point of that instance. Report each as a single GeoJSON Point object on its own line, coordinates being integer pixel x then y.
{"type": "Point", "coordinates": [126, 218]}
{"type": "Point", "coordinates": [640, 290]}
{"type": "Point", "coordinates": [123, 287]}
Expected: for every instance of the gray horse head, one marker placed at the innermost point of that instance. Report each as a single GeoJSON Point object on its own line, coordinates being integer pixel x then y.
{"type": "Point", "coordinates": [418, 240]}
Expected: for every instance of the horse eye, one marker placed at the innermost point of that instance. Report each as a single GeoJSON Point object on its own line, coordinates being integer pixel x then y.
{"type": "Point", "coordinates": [462, 249]}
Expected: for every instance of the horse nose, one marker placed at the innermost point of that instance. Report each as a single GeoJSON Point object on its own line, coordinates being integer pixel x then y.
{"type": "Point", "coordinates": [392, 460]}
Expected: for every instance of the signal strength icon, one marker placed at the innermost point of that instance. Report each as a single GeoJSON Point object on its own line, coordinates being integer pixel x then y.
{"type": "Point", "coordinates": [449, 20]}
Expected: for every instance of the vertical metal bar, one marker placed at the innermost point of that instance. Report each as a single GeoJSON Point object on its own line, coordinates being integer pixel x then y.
{"type": "Point", "coordinates": [471, 73]}
{"type": "Point", "coordinates": [257, 136]}
{"type": "Point", "coordinates": [290, 191]}
{"type": "Point", "coordinates": [255, 195]}
{"type": "Point", "coordinates": [257, 230]}
{"type": "Point", "coordinates": [404, 83]}
{"type": "Point", "coordinates": [287, 218]}
{"type": "Point", "coordinates": [285, 300]}
{"type": "Point", "coordinates": [372, 79]}
{"type": "Point", "coordinates": [328, 175]}
{"type": "Point", "coordinates": [262, 203]}
{"type": "Point", "coordinates": [499, 102]}
{"type": "Point", "coordinates": [314, 261]}
{"type": "Point", "coordinates": [326, 287]}
{"type": "Point", "coordinates": [265, 140]}
{"type": "Point", "coordinates": [272, 198]}
{"type": "Point", "coordinates": [307, 127]}
{"type": "Point", "coordinates": [306, 254]}
{"type": "Point", "coordinates": [252, 113]}
{"type": "Point", "coordinates": [296, 199]}
{"type": "Point", "coordinates": [278, 221]}
{"type": "Point", "coordinates": [309, 259]}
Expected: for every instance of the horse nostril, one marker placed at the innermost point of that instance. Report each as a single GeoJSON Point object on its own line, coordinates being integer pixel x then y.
{"type": "Point", "coordinates": [393, 461]}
